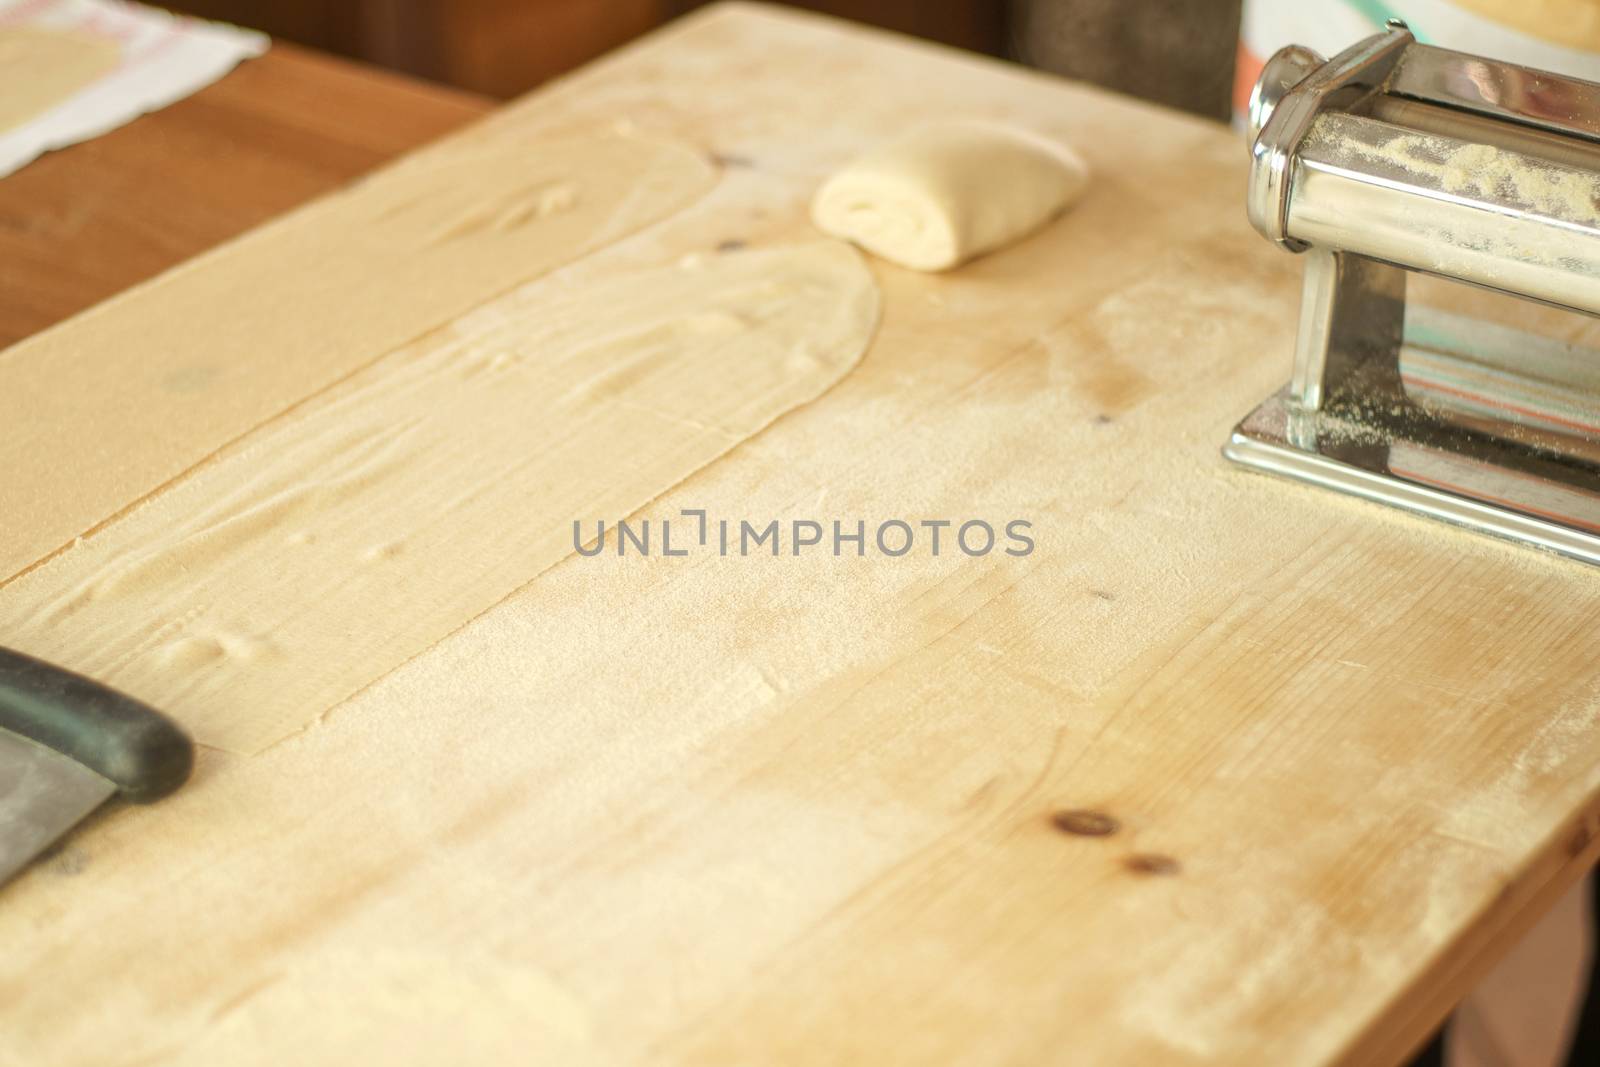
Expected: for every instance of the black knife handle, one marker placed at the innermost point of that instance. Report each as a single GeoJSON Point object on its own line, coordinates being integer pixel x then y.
{"type": "Point", "coordinates": [145, 753]}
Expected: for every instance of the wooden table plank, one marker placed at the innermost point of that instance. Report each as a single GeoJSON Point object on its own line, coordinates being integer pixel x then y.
{"type": "Point", "coordinates": [756, 810]}
{"type": "Point", "coordinates": [82, 223]}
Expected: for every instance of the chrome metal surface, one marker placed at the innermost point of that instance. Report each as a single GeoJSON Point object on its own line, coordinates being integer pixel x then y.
{"type": "Point", "coordinates": [1473, 128]}
{"type": "Point", "coordinates": [1396, 157]}
{"type": "Point", "coordinates": [1495, 489]}
{"type": "Point", "coordinates": [1352, 311]}
{"type": "Point", "coordinates": [1489, 215]}
{"type": "Point", "coordinates": [43, 794]}
{"type": "Point", "coordinates": [1505, 91]}
{"type": "Point", "coordinates": [1360, 69]}
{"type": "Point", "coordinates": [1287, 68]}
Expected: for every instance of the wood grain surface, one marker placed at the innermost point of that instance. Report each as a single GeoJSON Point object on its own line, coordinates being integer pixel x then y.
{"type": "Point", "coordinates": [81, 224]}
{"type": "Point", "coordinates": [1227, 771]}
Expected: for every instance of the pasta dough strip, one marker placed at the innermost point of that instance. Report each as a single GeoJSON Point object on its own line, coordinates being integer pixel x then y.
{"type": "Point", "coordinates": [239, 335]}
{"type": "Point", "coordinates": [333, 544]}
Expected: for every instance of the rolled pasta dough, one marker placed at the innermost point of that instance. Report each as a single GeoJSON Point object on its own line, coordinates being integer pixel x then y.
{"type": "Point", "coordinates": [949, 191]}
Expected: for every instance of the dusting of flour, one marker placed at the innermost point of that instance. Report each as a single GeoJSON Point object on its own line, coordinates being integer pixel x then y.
{"type": "Point", "coordinates": [1480, 170]}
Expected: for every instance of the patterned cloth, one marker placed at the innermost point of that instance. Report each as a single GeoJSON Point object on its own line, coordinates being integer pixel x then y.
{"type": "Point", "coordinates": [74, 69]}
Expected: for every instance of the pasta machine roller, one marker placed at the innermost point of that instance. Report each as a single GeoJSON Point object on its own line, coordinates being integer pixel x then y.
{"type": "Point", "coordinates": [1396, 159]}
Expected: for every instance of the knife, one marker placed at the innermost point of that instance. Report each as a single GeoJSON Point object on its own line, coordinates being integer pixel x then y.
{"type": "Point", "coordinates": [67, 744]}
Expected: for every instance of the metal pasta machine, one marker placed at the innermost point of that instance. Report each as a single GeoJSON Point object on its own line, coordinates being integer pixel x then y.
{"type": "Point", "coordinates": [1395, 161]}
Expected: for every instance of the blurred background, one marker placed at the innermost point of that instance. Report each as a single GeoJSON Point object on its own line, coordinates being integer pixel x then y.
{"type": "Point", "coordinates": [1177, 52]}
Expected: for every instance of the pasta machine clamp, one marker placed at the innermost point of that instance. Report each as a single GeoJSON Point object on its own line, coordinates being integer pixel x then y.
{"type": "Point", "coordinates": [1395, 158]}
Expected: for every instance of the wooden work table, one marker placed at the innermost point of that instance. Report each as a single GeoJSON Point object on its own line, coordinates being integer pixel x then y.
{"type": "Point", "coordinates": [1228, 772]}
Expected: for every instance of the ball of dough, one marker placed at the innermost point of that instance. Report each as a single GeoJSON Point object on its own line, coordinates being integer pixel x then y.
{"type": "Point", "coordinates": [949, 191]}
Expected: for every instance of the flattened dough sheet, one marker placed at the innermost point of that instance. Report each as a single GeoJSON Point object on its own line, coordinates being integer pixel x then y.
{"type": "Point", "coordinates": [333, 544]}
{"type": "Point", "coordinates": [239, 335]}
